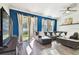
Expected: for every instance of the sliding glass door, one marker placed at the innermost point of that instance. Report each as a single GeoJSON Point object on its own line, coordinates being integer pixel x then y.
{"type": "Point", "coordinates": [50, 25]}
{"type": "Point", "coordinates": [25, 28]}
{"type": "Point", "coordinates": [35, 25]}
{"type": "Point", "coordinates": [47, 25]}
{"type": "Point", "coordinates": [44, 23]}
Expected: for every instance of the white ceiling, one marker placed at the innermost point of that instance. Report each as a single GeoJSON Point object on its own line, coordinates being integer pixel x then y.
{"type": "Point", "coordinates": [48, 9]}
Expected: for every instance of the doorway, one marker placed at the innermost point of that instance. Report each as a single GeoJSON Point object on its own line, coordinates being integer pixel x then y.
{"type": "Point", "coordinates": [24, 27]}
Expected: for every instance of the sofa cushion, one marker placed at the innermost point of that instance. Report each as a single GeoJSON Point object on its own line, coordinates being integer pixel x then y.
{"type": "Point", "coordinates": [74, 36]}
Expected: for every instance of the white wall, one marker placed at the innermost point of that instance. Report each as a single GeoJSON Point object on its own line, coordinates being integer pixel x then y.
{"type": "Point", "coordinates": [6, 7]}
{"type": "Point", "coordinates": [69, 28]}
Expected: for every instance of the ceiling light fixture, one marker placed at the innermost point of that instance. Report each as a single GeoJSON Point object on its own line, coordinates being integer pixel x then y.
{"type": "Point", "coordinates": [67, 12]}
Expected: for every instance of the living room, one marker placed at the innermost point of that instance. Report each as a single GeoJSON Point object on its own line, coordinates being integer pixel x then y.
{"type": "Point", "coordinates": [50, 28]}
{"type": "Point", "coordinates": [67, 31]}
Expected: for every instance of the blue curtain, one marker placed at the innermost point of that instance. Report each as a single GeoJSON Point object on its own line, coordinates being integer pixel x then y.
{"type": "Point", "coordinates": [39, 23]}
{"type": "Point", "coordinates": [13, 15]}
{"type": "Point", "coordinates": [55, 25]}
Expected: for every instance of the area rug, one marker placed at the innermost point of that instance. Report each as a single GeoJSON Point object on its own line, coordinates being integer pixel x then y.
{"type": "Point", "coordinates": [49, 51]}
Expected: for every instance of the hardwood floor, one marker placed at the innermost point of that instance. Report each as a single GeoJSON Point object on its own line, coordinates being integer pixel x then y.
{"type": "Point", "coordinates": [51, 49]}
{"type": "Point", "coordinates": [21, 49]}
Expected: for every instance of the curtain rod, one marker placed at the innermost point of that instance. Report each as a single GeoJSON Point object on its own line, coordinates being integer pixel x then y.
{"type": "Point", "coordinates": [27, 14]}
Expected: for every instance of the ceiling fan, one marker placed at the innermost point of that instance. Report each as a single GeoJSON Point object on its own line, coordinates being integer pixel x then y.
{"type": "Point", "coordinates": [70, 8]}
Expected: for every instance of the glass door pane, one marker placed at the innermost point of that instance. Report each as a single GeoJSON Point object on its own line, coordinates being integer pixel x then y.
{"type": "Point", "coordinates": [25, 32]}
{"type": "Point", "coordinates": [35, 24]}
{"type": "Point", "coordinates": [50, 25]}
{"type": "Point", "coordinates": [44, 25]}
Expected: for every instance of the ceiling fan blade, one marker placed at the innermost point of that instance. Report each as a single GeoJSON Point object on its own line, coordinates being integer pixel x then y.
{"type": "Point", "coordinates": [63, 10]}
{"type": "Point", "coordinates": [73, 10]}
{"type": "Point", "coordinates": [73, 5]}
{"type": "Point", "coordinates": [69, 10]}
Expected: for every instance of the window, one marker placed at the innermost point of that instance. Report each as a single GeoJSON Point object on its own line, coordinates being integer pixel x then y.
{"type": "Point", "coordinates": [52, 25]}
{"type": "Point", "coordinates": [47, 25]}
{"type": "Point", "coordinates": [35, 24]}
{"type": "Point", "coordinates": [44, 25]}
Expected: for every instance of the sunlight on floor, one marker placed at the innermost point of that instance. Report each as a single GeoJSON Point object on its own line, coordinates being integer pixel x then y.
{"type": "Point", "coordinates": [29, 50]}
{"type": "Point", "coordinates": [32, 42]}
